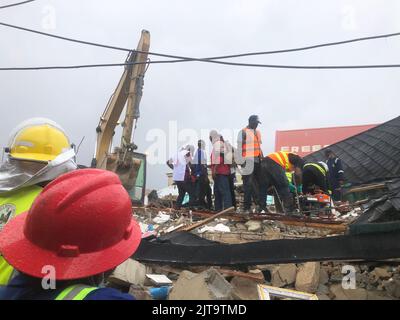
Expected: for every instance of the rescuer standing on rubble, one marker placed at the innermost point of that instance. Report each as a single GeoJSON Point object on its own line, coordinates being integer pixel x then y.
{"type": "Point", "coordinates": [38, 151]}
{"type": "Point", "coordinates": [200, 173]}
{"type": "Point", "coordinates": [77, 231]}
{"type": "Point", "coordinates": [316, 176]}
{"type": "Point", "coordinates": [274, 168]}
{"type": "Point", "coordinates": [180, 164]}
{"type": "Point", "coordinates": [336, 174]}
{"type": "Point", "coordinates": [249, 144]}
{"type": "Point", "coordinates": [221, 172]}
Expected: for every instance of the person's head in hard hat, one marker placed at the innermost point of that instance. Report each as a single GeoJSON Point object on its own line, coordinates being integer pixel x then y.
{"type": "Point", "coordinates": [38, 151]}
{"type": "Point", "coordinates": [77, 231]}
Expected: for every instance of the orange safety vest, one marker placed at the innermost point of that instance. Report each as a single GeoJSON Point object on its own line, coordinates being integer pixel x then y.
{"type": "Point", "coordinates": [282, 158]}
{"type": "Point", "coordinates": [251, 146]}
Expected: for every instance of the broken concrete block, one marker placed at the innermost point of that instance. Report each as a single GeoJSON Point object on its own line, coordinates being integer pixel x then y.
{"type": "Point", "coordinates": [128, 273]}
{"type": "Point", "coordinates": [323, 277]}
{"type": "Point", "coordinates": [253, 226]}
{"type": "Point", "coordinates": [323, 289]}
{"type": "Point", "coordinates": [244, 289]}
{"type": "Point", "coordinates": [307, 278]}
{"type": "Point", "coordinates": [283, 275]}
{"type": "Point", "coordinates": [392, 287]}
{"type": "Point", "coordinates": [382, 273]}
{"type": "Point", "coordinates": [208, 285]}
{"type": "Point", "coordinates": [241, 227]}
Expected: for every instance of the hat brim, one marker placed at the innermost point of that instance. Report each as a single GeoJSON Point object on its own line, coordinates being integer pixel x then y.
{"type": "Point", "coordinates": [32, 260]}
{"type": "Point", "coordinates": [33, 156]}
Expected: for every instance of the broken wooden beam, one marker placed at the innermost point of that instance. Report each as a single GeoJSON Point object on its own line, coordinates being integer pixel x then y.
{"type": "Point", "coordinates": [208, 220]}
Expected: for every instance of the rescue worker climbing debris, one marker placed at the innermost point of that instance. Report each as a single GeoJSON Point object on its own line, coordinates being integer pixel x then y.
{"type": "Point", "coordinates": [77, 231]}
{"type": "Point", "coordinates": [274, 168]}
{"type": "Point", "coordinates": [38, 151]}
{"type": "Point", "coordinates": [316, 177]}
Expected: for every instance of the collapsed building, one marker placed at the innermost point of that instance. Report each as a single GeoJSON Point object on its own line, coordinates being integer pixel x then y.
{"type": "Point", "coordinates": [302, 253]}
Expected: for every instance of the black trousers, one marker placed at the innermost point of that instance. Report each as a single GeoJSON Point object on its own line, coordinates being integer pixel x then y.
{"type": "Point", "coordinates": [254, 186]}
{"type": "Point", "coordinates": [314, 177]}
{"type": "Point", "coordinates": [274, 175]}
{"type": "Point", "coordinates": [183, 188]}
{"type": "Point", "coordinates": [203, 192]}
{"type": "Point", "coordinates": [232, 189]}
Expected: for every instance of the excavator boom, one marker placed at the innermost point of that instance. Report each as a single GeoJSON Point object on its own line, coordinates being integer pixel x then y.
{"type": "Point", "coordinates": [123, 160]}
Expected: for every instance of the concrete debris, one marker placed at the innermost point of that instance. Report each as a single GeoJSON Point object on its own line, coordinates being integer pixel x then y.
{"type": "Point", "coordinates": [129, 273]}
{"type": "Point", "coordinates": [307, 278]}
{"type": "Point", "coordinates": [323, 277]}
{"type": "Point", "coordinates": [393, 288]}
{"type": "Point", "coordinates": [241, 227]}
{"type": "Point", "coordinates": [208, 285]}
{"type": "Point", "coordinates": [253, 226]}
{"type": "Point", "coordinates": [382, 273]}
{"type": "Point", "coordinates": [350, 294]}
{"type": "Point", "coordinates": [244, 289]}
{"type": "Point", "coordinates": [283, 275]}
{"type": "Point", "coordinates": [373, 281]}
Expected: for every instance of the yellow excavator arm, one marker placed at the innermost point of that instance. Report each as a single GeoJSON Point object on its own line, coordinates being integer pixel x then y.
{"type": "Point", "coordinates": [128, 92]}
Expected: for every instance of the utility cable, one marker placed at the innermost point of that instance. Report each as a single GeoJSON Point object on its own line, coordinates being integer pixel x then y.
{"type": "Point", "coordinates": [185, 59]}
{"type": "Point", "coordinates": [15, 4]}
{"type": "Point", "coordinates": [316, 67]}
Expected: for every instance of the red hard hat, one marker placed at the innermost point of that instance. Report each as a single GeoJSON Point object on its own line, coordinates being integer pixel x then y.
{"type": "Point", "coordinates": [81, 224]}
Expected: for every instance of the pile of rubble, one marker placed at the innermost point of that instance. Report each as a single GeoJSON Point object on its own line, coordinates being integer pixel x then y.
{"type": "Point", "coordinates": [325, 280]}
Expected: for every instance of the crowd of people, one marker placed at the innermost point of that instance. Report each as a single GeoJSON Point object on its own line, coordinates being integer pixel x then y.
{"type": "Point", "coordinates": [285, 173]}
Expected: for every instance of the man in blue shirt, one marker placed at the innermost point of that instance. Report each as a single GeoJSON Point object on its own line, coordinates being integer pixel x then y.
{"type": "Point", "coordinates": [200, 172]}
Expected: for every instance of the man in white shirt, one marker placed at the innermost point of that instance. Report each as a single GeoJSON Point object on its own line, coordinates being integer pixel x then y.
{"type": "Point", "coordinates": [180, 164]}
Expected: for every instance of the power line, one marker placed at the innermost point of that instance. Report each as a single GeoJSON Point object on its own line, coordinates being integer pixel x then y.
{"type": "Point", "coordinates": [16, 4]}
{"type": "Point", "coordinates": [208, 60]}
{"type": "Point", "coordinates": [186, 59]}
{"type": "Point", "coordinates": [329, 67]}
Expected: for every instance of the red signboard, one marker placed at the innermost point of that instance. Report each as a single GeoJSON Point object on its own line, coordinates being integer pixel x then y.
{"type": "Point", "coordinates": [306, 141]}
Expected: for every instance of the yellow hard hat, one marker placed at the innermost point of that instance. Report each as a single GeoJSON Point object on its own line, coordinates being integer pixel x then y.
{"type": "Point", "coordinates": [38, 139]}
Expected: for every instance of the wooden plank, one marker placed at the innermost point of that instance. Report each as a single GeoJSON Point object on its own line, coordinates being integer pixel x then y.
{"type": "Point", "coordinates": [208, 220]}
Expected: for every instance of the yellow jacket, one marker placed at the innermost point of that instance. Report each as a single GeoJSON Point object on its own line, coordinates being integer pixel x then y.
{"type": "Point", "coordinates": [12, 204]}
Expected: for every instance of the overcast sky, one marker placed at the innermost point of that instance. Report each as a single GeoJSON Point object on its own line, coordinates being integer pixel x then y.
{"type": "Point", "coordinates": [196, 95]}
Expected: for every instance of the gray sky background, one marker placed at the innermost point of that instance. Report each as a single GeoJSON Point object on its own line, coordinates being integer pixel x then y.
{"type": "Point", "coordinates": [198, 95]}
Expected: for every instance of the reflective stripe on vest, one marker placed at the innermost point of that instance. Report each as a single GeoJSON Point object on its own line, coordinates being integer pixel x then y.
{"type": "Point", "coordinates": [75, 292]}
{"type": "Point", "coordinates": [12, 204]}
{"type": "Point", "coordinates": [322, 170]}
{"type": "Point", "coordinates": [282, 158]}
{"type": "Point", "coordinates": [289, 176]}
{"type": "Point", "coordinates": [251, 147]}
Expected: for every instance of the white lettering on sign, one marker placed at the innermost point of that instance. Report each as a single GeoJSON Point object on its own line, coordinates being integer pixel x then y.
{"type": "Point", "coordinates": [303, 149]}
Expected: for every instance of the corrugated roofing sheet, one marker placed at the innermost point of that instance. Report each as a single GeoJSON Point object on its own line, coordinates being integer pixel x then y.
{"type": "Point", "coordinates": [373, 155]}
